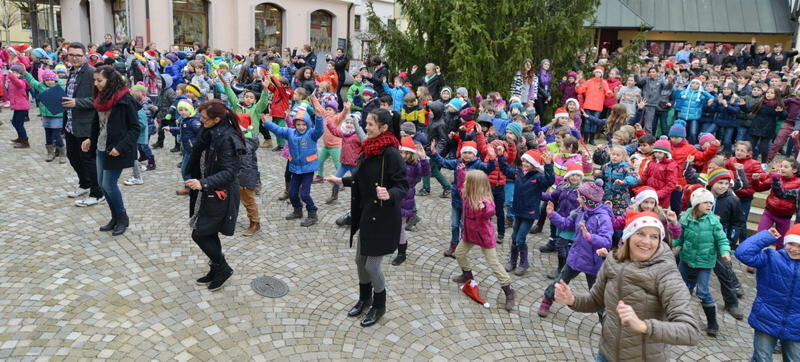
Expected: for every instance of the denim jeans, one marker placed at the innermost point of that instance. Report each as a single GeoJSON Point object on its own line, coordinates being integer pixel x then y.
{"type": "Point", "coordinates": [764, 344]}
{"type": "Point", "coordinates": [144, 148]}
{"type": "Point", "coordinates": [601, 358]}
{"type": "Point", "coordinates": [742, 133]}
{"type": "Point", "coordinates": [455, 224]}
{"type": "Point", "coordinates": [108, 184]}
{"type": "Point", "coordinates": [52, 136]}
{"type": "Point", "coordinates": [567, 274]}
{"type": "Point", "coordinates": [692, 130]}
{"type": "Point", "coordinates": [728, 282]}
{"type": "Point", "coordinates": [18, 121]}
{"type": "Point", "coordinates": [509, 190]}
{"type": "Point", "coordinates": [300, 189]}
{"type": "Point", "coordinates": [521, 228]}
{"type": "Point", "coordinates": [342, 170]}
{"type": "Point", "coordinates": [697, 277]}
{"type": "Point", "coordinates": [675, 201]}
{"type": "Point", "coordinates": [746, 202]}
{"type": "Point", "coordinates": [185, 164]}
{"type": "Point", "coordinates": [708, 127]}
{"type": "Point", "coordinates": [725, 134]}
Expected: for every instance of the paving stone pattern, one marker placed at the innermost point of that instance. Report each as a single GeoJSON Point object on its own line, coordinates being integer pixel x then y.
{"type": "Point", "coordinates": [72, 292]}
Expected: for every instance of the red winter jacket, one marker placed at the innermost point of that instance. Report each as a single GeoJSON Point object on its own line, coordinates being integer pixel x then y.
{"type": "Point", "coordinates": [611, 101]}
{"type": "Point", "coordinates": [496, 177]}
{"type": "Point", "coordinates": [751, 166]}
{"type": "Point", "coordinates": [683, 150]}
{"type": "Point", "coordinates": [661, 176]}
{"type": "Point", "coordinates": [281, 98]}
{"type": "Point", "coordinates": [776, 205]}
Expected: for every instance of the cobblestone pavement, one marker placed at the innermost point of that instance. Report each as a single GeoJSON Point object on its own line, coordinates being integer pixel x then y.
{"type": "Point", "coordinates": [72, 292]}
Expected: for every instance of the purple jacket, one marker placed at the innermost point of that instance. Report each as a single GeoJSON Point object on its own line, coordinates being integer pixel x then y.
{"type": "Point", "coordinates": [414, 173]}
{"type": "Point", "coordinates": [582, 256]}
{"type": "Point", "coordinates": [565, 198]}
{"type": "Point", "coordinates": [568, 91]}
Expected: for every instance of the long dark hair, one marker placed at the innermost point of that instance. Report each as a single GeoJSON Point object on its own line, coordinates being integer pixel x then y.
{"type": "Point", "coordinates": [383, 116]}
{"type": "Point", "coordinates": [527, 75]}
{"type": "Point", "coordinates": [244, 75]}
{"type": "Point", "coordinates": [778, 100]}
{"type": "Point", "coordinates": [215, 108]}
{"type": "Point", "coordinates": [300, 73]}
{"type": "Point", "coordinates": [114, 83]}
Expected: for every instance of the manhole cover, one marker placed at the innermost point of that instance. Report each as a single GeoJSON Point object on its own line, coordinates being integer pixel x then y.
{"type": "Point", "coordinates": [269, 287]}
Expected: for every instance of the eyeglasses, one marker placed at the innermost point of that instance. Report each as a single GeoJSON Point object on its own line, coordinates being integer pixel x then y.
{"type": "Point", "coordinates": [75, 55]}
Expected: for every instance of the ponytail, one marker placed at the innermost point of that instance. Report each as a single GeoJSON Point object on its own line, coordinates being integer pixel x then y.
{"type": "Point", "coordinates": [215, 108]}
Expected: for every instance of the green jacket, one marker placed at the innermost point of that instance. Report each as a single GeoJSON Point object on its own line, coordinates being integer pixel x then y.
{"type": "Point", "coordinates": [702, 240]}
{"type": "Point", "coordinates": [40, 87]}
{"type": "Point", "coordinates": [254, 111]}
{"type": "Point", "coordinates": [354, 89]}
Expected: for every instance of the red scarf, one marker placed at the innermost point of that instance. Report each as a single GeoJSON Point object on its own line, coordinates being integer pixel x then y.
{"type": "Point", "coordinates": [375, 145]}
{"type": "Point", "coordinates": [102, 106]}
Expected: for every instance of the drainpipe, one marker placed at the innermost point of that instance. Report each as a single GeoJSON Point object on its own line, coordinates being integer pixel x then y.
{"type": "Point", "coordinates": [349, 13]}
{"type": "Point", "coordinates": [147, 19]}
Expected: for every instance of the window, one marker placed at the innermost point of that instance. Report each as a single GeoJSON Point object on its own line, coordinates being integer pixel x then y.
{"type": "Point", "coordinates": [190, 19]}
{"type": "Point", "coordinates": [357, 23]}
{"type": "Point", "coordinates": [269, 26]}
{"type": "Point", "coordinates": [119, 14]}
{"type": "Point", "coordinates": [392, 23]}
{"type": "Point", "coordinates": [25, 19]}
{"type": "Point", "coordinates": [663, 48]}
{"type": "Point", "coordinates": [321, 31]}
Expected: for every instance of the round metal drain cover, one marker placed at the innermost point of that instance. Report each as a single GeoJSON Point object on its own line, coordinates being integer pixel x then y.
{"type": "Point", "coordinates": [269, 287]}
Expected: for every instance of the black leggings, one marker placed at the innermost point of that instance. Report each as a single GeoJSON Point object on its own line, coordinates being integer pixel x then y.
{"type": "Point", "coordinates": [211, 246]}
{"type": "Point", "coordinates": [762, 143]}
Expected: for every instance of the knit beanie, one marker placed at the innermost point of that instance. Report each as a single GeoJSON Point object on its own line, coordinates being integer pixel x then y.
{"type": "Point", "coordinates": [301, 113]}
{"type": "Point", "coordinates": [515, 128]}
{"type": "Point", "coordinates": [793, 235]}
{"type": "Point", "coordinates": [185, 104]}
{"type": "Point", "coordinates": [17, 68]}
{"type": "Point", "coordinates": [61, 68]}
{"type": "Point", "coordinates": [355, 117]}
{"type": "Point", "coordinates": [706, 137]}
{"type": "Point", "coordinates": [644, 193]}
{"type": "Point", "coordinates": [408, 129]}
{"type": "Point", "coordinates": [638, 220]}
{"type": "Point", "coordinates": [700, 196]}
{"type": "Point", "coordinates": [456, 103]}
{"type": "Point", "coordinates": [469, 146]}
{"type": "Point", "coordinates": [517, 106]}
{"type": "Point", "coordinates": [47, 74]}
{"type": "Point", "coordinates": [332, 104]}
{"type": "Point", "coordinates": [718, 174]}
{"type": "Point", "coordinates": [461, 91]}
{"type": "Point", "coordinates": [663, 146]}
{"type": "Point", "coordinates": [467, 114]}
{"type": "Point", "coordinates": [572, 75]}
{"type": "Point", "coordinates": [193, 88]}
{"type": "Point", "coordinates": [368, 91]}
{"type": "Point", "coordinates": [446, 89]}
{"type": "Point", "coordinates": [140, 87]}
{"type": "Point", "coordinates": [172, 57]}
{"type": "Point", "coordinates": [591, 191]}
{"type": "Point", "coordinates": [678, 129]}
{"type": "Point", "coordinates": [39, 53]}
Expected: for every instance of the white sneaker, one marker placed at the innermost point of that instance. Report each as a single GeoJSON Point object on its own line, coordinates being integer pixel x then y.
{"type": "Point", "coordinates": [89, 201]}
{"type": "Point", "coordinates": [133, 181]}
{"type": "Point", "coordinates": [78, 192]}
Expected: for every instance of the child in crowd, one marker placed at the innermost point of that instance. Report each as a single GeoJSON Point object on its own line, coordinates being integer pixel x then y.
{"type": "Point", "coordinates": [743, 155]}
{"type": "Point", "coordinates": [302, 145]}
{"type": "Point", "coordinates": [52, 122]}
{"type": "Point", "coordinates": [139, 93]}
{"type": "Point", "coordinates": [778, 212]}
{"type": "Point", "coordinates": [189, 130]}
{"type": "Point", "coordinates": [661, 173]}
{"type": "Point", "coordinates": [565, 200]}
{"type": "Point", "coordinates": [702, 240]}
{"type": "Point", "coordinates": [629, 95]}
{"type": "Point", "coordinates": [766, 114]}
{"type": "Point", "coordinates": [591, 227]}
{"type": "Point", "coordinates": [352, 135]}
{"type": "Point", "coordinates": [282, 96]}
{"type": "Point", "coordinates": [561, 120]}
{"type": "Point", "coordinates": [417, 165]}
{"type": "Point", "coordinates": [531, 179]}
{"type": "Point", "coordinates": [618, 176]}
{"type": "Point", "coordinates": [398, 92]}
{"type": "Point", "coordinates": [478, 210]}
{"type": "Point", "coordinates": [18, 96]}
{"type": "Point", "coordinates": [681, 149]}
{"type": "Point", "coordinates": [413, 112]}
{"type": "Point", "coordinates": [331, 145]}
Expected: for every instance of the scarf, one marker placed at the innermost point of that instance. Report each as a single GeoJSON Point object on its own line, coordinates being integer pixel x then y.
{"type": "Point", "coordinates": [102, 106]}
{"type": "Point", "coordinates": [375, 145]}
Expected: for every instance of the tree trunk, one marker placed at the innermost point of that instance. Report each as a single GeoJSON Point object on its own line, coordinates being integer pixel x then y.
{"type": "Point", "coordinates": [34, 14]}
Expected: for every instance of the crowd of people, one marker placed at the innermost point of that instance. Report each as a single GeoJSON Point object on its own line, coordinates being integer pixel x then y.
{"type": "Point", "coordinates": [651, 169]}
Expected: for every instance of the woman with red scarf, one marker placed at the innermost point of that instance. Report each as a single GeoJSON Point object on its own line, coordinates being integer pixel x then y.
{"type": "Point", "coordinates": [115, 131]}
{"type": "Point", "coordinates": [378, 186]}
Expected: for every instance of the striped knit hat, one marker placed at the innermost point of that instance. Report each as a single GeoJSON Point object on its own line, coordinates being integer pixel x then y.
{"type": "Point", "coordinates": [718, 174]}
{"type": "Point", "coordinates": [591, 191]}
{"type": "Point", "coordinates": [678, 129]}
{"type": "Point", "coordinates": [194, 89]}
{"type": "Point", "coordinates": [663, 146]}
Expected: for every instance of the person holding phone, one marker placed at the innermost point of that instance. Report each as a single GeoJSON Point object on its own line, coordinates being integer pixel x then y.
{"type": "Point", "coordinates": [114, 134]}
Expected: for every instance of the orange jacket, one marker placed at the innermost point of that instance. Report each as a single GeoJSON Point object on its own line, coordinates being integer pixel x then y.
{"type": "Point", "coordinates": [594, 91]}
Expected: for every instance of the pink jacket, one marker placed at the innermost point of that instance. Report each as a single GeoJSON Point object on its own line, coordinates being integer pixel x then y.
{"type": "Point", "coordinates": [478, 228]}
{"type": "Point", "coordinates": [351, 145]}
{"type": "Point", "coordinates": [328, 139]}
{"type": "Point", "coordinates": [16, 93]}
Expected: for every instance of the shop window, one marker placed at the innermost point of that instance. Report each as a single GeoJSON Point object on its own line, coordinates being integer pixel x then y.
{"type": "Point", "coordinates": [190, 18]}
{"type": "Point", "coordinates": [357, 23]}
{"type": "Point", "coordinates": [321, 31]}
{"type": "Point", "coordinates": [269, 26]}
{"type": "Point", "coordinates": [119, 13]}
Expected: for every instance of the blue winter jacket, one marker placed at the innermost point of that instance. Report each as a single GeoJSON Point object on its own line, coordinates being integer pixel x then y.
{"type": "Point", "coordinates": [776, 308]}
{"type": "Point", "coordinates": [303, 156]}
{"type": "Point", "coordinates": [691, 103]}
{"type": "Point", "coordinates": [726, 116]}
{"type": "Point", "coordinates": [397, 96]}
{"type": "Point", "coordinates": [528, 188]}
{"type": "Point", "coordinates": [176, 72]}
{"type": "Point", "coordinates": [458, 181]}
{"type": "Point", "coordinates": [618, 171]}
{"type": "Point", "coordinates": [583, 254]}
{"type": "Point", "coordinates": [189, 130]}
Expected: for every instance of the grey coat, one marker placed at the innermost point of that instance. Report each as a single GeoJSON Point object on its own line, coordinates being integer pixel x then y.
{"type": "Point", "coordinates": [84, 114]}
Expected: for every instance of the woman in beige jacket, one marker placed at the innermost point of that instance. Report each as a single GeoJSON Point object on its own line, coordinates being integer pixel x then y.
{"type": "Point", "coordinates": [647, 306]}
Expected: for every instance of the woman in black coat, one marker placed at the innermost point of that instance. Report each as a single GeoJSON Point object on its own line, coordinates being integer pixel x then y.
{"type": "Point", "coordinates": [115, 130]}
{"type": "Point", "coordinates": [214, 199]}
{"type": "Point", "coordinates": [378, 186]}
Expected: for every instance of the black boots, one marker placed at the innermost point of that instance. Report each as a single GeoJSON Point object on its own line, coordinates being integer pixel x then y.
{"type": "Point", "coordinates": [401, 255]}
{"type": "Point", "coordinates": [344, 220]}
{"type": "Point", "coordinates": [111, 224]}
{"type": "Point", "coordinates": [121, 225]}
{"type": "Point", "coordinates": [334, 196]}
{"type": "Point", "coordinates": [461, 279]}
{"type": "Point", "coordinates": [208, 277]}
{"type": "Point", "coordinates": [296, 214]}
{"type": "Point", "coordinates": [151, 163]}
{"type": "Point", "coordinates": [711, 318]}
{"type": "Point", "coordinates": [310, 220]}
{"type": "Point", "coordinates": [221, 272]}
{"type": "Point", "coordinates": [377, 310]}
{"type": "Point", "coordinates": [364, 300]}
{"type": "Point", "coordinates": [549, 247]}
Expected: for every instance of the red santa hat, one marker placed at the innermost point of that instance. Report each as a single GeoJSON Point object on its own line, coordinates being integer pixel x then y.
{"type": "Point", "coordinates": [574, 168]}
{"type": "Point", "coordinates": [793, 235]}
{"type": "Point", "coordinates": [561, 112]}
{"type": "Point", "coordinates": [245, 122]}
{"type": "Point", "coordinates": [599, 69]}
{"type": "Point", "coordinates": [110, 54]}
{"type": "Point", "coordinates": [151, 54]}
{"type": "Point", "coordinates": [534, 157]}
{"type": "Point", "coordinates": [637, 220]}
{"type": "Point", "coordinates": [698, 80]}
{"type": "Point", "coordinates": [20, 49]}
{"type": "Point", "coordinates": [407, 144]}
{"type": "Point", "coordinates": [469, 146]}
{"type": "Point", "coordinates": [644, 193]}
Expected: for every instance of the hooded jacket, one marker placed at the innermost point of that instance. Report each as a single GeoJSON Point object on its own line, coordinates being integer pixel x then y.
{"type": "Point", "coordinates": [166, 98]}
{"type": "Point", "coordinates": [459, 175]}
{"type": "Point", "coordinates": [437, 130]}
{"type": "Point", "coordinates": [528, 188]}
{"type": "Point", "coordinates": [414, 173]}
{"type": "Point", "coordinates": [583, 254]}
{"type": "Point", "coordinates": [702, 240]}
{"type": "Point", "coordinates": [692, 102]}
{"type": "Point", "coordinates": [661, 176]}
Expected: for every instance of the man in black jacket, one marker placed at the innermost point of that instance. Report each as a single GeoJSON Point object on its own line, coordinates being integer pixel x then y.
{"type": "Point", "coordinates": [78, 120]}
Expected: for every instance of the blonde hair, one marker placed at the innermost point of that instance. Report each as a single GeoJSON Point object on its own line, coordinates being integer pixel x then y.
{"type": "Point", "coordinates": [477, 188]}
{"type": "Point", "coordinates": [325, 86]}
{"type": "Point", "coordinates": [621, 150]}
{"type": "Point", "coordinates": [424, 94]}
{"type": "Point", "coordinates": [629, 130]}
